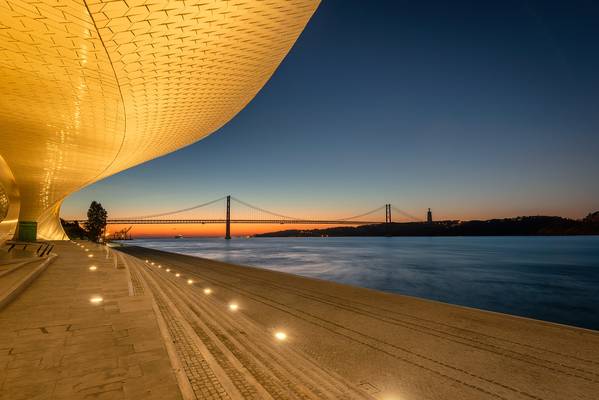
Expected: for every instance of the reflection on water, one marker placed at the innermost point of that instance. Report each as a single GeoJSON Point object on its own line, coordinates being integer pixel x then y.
{"type": "Point", "coordinates": [550, 278]}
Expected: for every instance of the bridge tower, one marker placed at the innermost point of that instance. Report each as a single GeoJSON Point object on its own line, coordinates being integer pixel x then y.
{"type": "Point", "coordinates": [429, 216]}
{"type": "Point", "coordinates": [228, 222]}
{"type": "Point", "coordinates": [387, 219]}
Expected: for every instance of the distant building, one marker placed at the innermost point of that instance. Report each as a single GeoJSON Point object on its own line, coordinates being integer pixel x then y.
{"type": "Point", "coordinates": [429, 216]}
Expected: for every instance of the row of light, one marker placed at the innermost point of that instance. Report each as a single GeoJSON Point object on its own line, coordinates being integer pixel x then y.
{"type": "Point", "coordinates": [94, 299]}
{"type": "Point", "coordinates": [279, 335]}
{"type": "Point", "coordinates": [84, 248]}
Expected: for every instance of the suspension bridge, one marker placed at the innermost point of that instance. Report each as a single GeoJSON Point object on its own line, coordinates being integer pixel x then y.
{"type": "Point", "coordinates": [246, 213]}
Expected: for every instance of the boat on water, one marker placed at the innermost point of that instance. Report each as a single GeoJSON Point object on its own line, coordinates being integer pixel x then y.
{"type": "Point", "coordinates": [178, 236]}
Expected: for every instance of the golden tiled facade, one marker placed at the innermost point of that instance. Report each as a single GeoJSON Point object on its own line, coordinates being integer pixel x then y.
{"type": "Point", "coordinates": [90, 88]}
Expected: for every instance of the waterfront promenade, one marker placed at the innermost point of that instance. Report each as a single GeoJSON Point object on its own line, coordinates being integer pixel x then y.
{"type": "Point", "coordinates": [76, 333]}
{"type": "Point", "coordinates": [175, 326]}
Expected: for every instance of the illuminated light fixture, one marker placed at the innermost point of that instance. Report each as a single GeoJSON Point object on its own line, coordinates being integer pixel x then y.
{"type": "Point", "coordinates": [96, 300]}
{"type": "Point", "coordinates": [147, 261]}
{"type": "Point", "coordinates": [233, 306]}
{"type": "Point", "coordinates": [90, 255]}
{"type": "Point", "coordinates": [93, 268]}
{"type": "Point", "coordinates": [86, 249]}
{"type": "Point", "coordinates": [177, 274]}
{"type": "Point", "coordinates": [280, 336]}
{"type": "Point", "coordinates": [160, 266]}
{"type": "Point", "coordinates": [207, 291]}
{"type": "Point", "coordinates": [189, 281]}
{"type": "Point", "coordinates": [152, 263]}
{"type": "Point", "coordinates": [168, 270]}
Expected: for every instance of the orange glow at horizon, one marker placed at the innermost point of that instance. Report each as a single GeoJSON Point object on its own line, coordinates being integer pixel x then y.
{"type": "Point", "coordinates": [207, 230]}
{"type": "Point", "coordinates": [218, 230]}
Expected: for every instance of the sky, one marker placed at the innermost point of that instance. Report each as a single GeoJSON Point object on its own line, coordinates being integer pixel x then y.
{"type": "Point", "coordinates": [475, 109]}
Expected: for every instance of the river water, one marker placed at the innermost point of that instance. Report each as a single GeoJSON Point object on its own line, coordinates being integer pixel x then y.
{"type": "Point", "coordinates": [549, 278]}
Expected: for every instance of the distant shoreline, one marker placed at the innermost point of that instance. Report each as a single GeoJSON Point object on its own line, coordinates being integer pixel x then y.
{"type": "Point", "coordinates": [520, 226]}
{"type": "Point", "coordinates": [271, 236]}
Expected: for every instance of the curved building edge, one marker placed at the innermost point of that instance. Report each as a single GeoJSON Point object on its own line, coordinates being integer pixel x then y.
{"type": "Point", "coordinates": [91, 88]}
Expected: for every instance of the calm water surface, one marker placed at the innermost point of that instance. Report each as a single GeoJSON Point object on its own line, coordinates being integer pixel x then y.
{"type": "Point", "coordinates": [549, 278]}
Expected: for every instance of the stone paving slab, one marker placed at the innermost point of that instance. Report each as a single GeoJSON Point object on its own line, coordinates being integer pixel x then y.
{"type": "Point", "coordinates": [57, 344]}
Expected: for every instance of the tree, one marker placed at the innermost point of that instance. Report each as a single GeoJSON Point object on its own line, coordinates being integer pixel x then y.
{"type": "Point", "coordinates": [96, 220]}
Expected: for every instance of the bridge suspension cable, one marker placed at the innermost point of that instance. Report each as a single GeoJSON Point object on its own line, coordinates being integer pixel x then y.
{"type": "Point", "coordinates": [305, 219]}
{"type": "Point", "coordinates": [180, 211]}
{"type": "Point", "coordinates": [362, 215]}
{"type": "Point", "coordinates": [271, 213]}
{"type": "Point", "coordinates": [263, 210]}
{"type": "Point", "coordinates": [405, 214]}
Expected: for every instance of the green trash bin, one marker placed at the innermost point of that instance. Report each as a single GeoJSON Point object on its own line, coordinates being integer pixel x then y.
{"type": "Point", "coordinates": [27, 231]}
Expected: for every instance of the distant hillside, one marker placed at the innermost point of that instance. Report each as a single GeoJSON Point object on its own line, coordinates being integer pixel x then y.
{"type": "Point", "coordinates": [539, 225]}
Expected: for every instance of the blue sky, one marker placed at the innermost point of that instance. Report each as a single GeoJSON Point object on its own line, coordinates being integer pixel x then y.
{"type": "Point", "coordinates": [474, 110]}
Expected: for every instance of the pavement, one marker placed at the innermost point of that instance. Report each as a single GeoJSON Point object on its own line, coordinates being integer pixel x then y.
{"type": "Point", "coordinates": [369, 343]}
{"type": "Point", "coordinates": [55, 343]}
{"type": "Point", "coordinates": [174, 326]}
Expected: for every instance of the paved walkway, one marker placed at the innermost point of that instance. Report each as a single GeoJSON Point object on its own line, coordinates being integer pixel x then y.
{"type": "Point", "coordinates": [226, 355]}
{"type": "Point", "coordinates": [56, 343]}
{"type": "Point", "coordinates": [152, 325]}
{"type": "Point", "coordinates": [349, 342]}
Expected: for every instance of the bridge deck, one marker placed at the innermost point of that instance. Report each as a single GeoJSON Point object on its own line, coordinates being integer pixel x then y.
{"type": "Point", "coordinates": [236, 221]}
{"type": "Point", "coordinates": [157, 335]}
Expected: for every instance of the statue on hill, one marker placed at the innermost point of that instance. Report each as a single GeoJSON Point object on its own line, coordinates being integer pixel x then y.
{"type": "Point", "coordinates": [96, 221]}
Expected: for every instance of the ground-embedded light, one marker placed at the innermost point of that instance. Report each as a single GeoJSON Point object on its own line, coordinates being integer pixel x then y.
{"type": "Point", "coordinates": [280, 335]}
{"type": "Point", "coordinates": [207, 291]}
{"type": "Point", "coordinates": [96, 300]}
{"type": "Point", "coordinates": [93, 268]}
